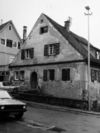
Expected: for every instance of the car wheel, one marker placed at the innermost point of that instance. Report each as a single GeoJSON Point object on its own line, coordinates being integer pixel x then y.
{"type": "Point", "coordinates": [19, 115]}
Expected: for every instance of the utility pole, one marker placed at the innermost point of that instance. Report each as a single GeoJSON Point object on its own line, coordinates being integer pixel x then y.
{"type": "Point", "coordinates": [88, 14]}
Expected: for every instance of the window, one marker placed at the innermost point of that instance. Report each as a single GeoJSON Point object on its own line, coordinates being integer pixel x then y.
{"type": "Point", "coordinates": [98, 76]}
{"type": "Point", "coordinates": [9, 43]}
{"type": "Point", "coordinates": [41, 21]}
{"type": "Point", "coordinates": [2, 41]}
{"type": "Point", "coordinates": [27, 53]}
{"type": "Point", "coordinates": [49, 75]}
{"type": "Point", "coordinates": [66, 74]}
{"type": "Point", "coordinates": [22, 75]}
{"type": "Point", "coordinates": [9, 27]}
{"type": "Point", "coordinates": [18, 45]}
{"type": "Point", "coordinates": [43, 29]}
{"type": "Point", "coordinates": [95, 75]}
{"type": "Point", "coordinates": [16, 75]}
{"type": "Point", "coordinates": [45, 78]}
{"type": "Point", "coordinates": [19, 75]}
{"type": "Point", "coordinates": [51, 49]}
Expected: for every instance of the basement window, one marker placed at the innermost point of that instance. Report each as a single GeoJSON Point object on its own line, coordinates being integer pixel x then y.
{"type": "Point", "coordinates": [66, 74]}
{"type": "Point", "coordinates": [43, 29]}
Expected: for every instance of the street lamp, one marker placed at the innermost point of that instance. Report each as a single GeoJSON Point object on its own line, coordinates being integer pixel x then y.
{"type": "Point", "coordinates": [88, 14]}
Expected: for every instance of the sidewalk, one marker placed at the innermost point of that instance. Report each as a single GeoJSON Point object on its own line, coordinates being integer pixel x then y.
{"type": "Point", "coordinates": [60, 108]}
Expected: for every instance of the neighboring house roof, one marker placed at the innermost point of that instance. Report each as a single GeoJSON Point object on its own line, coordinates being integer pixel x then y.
{"type": "Point", "coordinates": [2, 26]}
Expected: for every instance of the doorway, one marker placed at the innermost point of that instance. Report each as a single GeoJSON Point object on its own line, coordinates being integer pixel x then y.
{"type": "Point", "coordinates": [33, 80]}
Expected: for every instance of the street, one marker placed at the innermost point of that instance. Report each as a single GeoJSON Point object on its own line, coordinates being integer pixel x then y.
{"type": "Point", "coordinates": [70, 122]}
{"type": "Point", "coordinates": [42, 120]}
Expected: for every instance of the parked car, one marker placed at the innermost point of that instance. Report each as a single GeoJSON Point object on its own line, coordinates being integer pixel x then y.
{"type": "Point", "coordinates": [10, 106]}
{"type": "Point", "coordinates": [7, 86]}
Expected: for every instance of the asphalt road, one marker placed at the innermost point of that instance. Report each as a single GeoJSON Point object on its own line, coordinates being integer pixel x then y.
{"type": "Point", "coordinates": [42, 120]}
{"type": "Point", "coordinates": [68, 122]}
{"type": "Point", "coordinates": [10, 125]}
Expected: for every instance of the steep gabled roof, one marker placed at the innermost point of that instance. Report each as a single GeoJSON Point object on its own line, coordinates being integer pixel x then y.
{"type": "Point", "coordinates": [9, 22]}
{"type": "Point", "coordinates": [3, 25]}
{"type": "Point", "coordinates": [78, 42]}
{"type": "Point", "coordinates": [73, 39]}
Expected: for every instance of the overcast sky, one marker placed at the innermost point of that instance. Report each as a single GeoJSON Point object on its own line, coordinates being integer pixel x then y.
{"type": "Point", "coordinates": [26, 12]}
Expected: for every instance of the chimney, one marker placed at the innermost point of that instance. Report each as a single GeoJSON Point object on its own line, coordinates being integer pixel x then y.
{"type": "Point", "coordinates": [67, 24]}
{"type": "Point", "coordinates": [24, 33]}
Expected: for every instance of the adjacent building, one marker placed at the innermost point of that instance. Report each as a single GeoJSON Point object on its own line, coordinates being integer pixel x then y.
{"type": "Point", "coordinates": [55, 58]}
{"type": "Point", "coordinates": [10, 43]}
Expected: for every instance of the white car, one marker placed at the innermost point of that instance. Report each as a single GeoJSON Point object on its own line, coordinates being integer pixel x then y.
{"type": "Point", "coordinates": [11, 106]}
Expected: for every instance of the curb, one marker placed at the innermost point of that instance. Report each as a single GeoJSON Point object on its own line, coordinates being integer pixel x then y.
{"type": "Point", "coordinates": [60, 108]}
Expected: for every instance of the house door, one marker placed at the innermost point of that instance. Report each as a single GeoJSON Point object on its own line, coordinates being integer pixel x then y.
{"type": "Point", "coordinates": [33, 80]}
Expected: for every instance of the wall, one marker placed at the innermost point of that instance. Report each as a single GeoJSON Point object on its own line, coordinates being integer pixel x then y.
{"type": "Point", "coordinates": [7, 53]}
{"type": "Point", "coordinates": [67, 89]}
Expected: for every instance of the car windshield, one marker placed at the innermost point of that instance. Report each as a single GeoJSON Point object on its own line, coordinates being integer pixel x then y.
{"type": "Point", "coordinates": [4, 95]}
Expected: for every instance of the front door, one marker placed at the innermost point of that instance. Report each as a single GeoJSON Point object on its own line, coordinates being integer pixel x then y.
{"type": "Point", "coordinates": [33, 80]}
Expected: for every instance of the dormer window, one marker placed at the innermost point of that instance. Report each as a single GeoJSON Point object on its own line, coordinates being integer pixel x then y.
{"type": "Point", "coordinates": [43, 29]}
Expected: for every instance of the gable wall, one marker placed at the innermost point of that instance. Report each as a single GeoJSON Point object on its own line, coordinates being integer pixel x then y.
{"type": "Point", "coordinates": [37, 40]}
{"type": "Point", "coordinates": [7, 54]}
{"type": "Point", "coordinates": [9, 34]}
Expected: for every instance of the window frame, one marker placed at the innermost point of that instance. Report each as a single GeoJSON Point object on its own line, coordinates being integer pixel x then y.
{"type": "Point", "coordinates": [52, 49]}
{"type": "Point", "coordinates": [9, 43]}
{"type": "Point", "coordinates": [43, 29]}
{"type": "Point", "coordinates": [27, 53]}
{"type": "Point", "coordinates": [3, 41]}
{"type": "Point", "coordinates": [10, 27]}
{"type": "Point", "coordinates": [19, 45]}
{"type": "Point", "coordinates": [47, 75]}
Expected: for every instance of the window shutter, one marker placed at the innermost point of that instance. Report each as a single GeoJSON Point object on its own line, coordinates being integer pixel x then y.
{"type": "Point", "coordinates": [22, 54]}
{"type": "Point", "coordinates": [51, 74]}
{"type": "Point", "coordinates": [45, 75]}
{"type": "Point", "coordinates": [57, 48]}
{"type": "Point", "coordinates": [46, 50]}
{"type": "Point", "coordinates": [99, 76]}
{"type": "Point", "coordinates": [31, 53]}
{"type": "Point", "coordinates": [66, 74]}
{"type": "Point", "coordinates": [93, 75]}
